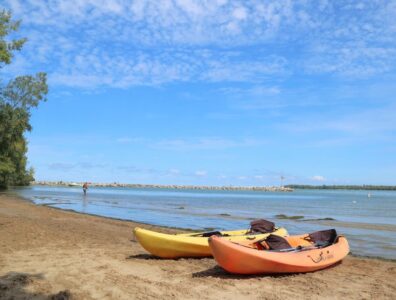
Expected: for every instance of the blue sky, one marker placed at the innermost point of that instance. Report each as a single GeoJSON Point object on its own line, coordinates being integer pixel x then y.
{"type": "Point", "coordinates": [212, 92]}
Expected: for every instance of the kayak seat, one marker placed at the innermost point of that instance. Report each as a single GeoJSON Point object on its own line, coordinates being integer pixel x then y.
{"type": "Point", "coordinates": [273, 242]}
{"type": "Point", "coordinates": [322, 238]}
{"type": "Point", "coordinates": [318, 239]}
{"type": "Point", "coordinates": [261, 226]}
{"type": "Point", "coordinates": [296, 241]}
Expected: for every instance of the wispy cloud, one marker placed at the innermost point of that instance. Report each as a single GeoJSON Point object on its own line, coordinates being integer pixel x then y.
{"type": "Point", "coordinates": [133, 173]}
{"type": "Point", "coordinates": [192, 143]}
{"type": "Point", "coordinates": [61, 166]}
{"type": "Point", "coordinates": [318, 178]}
{"type": "Point", "coordinates": [174, 172]}
{"type": "Point", "coordinates": [368, 123]}
{"type": "Point", "coordinates": [114, 43]}
{"type": "Point", "coordinates": [201, 173]}
{"type": "Point", "coordinates": [207, 143]}
{"type": "Point", "coordinates": [356, 59]}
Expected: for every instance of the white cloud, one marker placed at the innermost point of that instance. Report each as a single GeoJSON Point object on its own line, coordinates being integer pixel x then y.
{"type": "Point", "coordinates": [116, 43]}
{"type": "Point", "coordinates": [65, 167]}
{"type": "Point", "coordinates": [240, 13]}
{"type": "Point", "coordinates": [61, 166]}
{"type": "Point", "coordinates": [201, 173]}
{"type": "Point", "coordinates": [318, 178]}
{"type": "Point", "coordinates": [174, 171]}
{"type": "Point", "coordinates": [364, 124]}
{"type": "Point", "coordinates": [352, 59]}
{"type": "Point", "coordinates": [206, 143]}
{"type": "Point", "coordinates": [124, 140]}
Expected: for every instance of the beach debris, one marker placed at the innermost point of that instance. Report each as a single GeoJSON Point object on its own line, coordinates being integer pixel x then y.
{"type": "Point", "coordinates": [320, 219]}
{"type": "Point", "coordinates": [282, 217]}
{"type": "Point", "coordinates": [62, 295]}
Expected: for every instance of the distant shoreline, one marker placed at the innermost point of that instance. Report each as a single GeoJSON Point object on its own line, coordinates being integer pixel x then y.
{"type": "Point", "coordinates": [286, 188]}
{"type": "Point", "coordinates": [177, 187]}
{"type": "Point", "coordinates": [343, 187]}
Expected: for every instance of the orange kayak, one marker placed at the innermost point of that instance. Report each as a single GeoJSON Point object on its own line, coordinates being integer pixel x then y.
{"type": "Point", "coordinates": [302, 255]}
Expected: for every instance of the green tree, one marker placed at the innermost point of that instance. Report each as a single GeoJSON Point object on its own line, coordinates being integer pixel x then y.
{"type": "Point", "coordinates": [17, 98]}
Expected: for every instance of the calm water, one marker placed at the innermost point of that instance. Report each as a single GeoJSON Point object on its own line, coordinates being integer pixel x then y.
{"type": "Point", "coordinates": [368, 223]}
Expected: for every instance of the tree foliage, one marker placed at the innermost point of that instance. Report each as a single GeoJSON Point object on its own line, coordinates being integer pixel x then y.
{"type": "Point", "coordinates": [17, 98]}
{"type": "Point", "coordinates": [7, 48]}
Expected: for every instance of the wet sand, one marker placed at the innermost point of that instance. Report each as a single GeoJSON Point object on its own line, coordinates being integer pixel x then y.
{"type": "Point", "coordinates": [46, 253]}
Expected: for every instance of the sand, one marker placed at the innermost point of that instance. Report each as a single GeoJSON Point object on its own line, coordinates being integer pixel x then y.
{"type": "Point", "coordinates": [46, 253]}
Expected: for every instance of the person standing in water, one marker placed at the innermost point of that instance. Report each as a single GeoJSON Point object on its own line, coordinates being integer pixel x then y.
{"type": "Point", "coordinates": [85, 188]}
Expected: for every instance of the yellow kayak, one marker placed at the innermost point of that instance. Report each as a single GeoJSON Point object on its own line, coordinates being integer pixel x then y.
{"type": "Point", "coordinates": [191, 244]}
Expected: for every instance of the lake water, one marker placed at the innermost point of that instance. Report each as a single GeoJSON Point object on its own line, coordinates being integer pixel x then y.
{"type": "Point", "coordinates": [369, 223]}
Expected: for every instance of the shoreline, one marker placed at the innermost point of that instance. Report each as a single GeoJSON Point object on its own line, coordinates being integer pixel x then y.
{"type": "Point", "coordinates": [47, 252]}
{"type": "Point", "coordinates": [330, 223]}
{"type": "Point", "coordinates": [161, 186]}
{"type": "Point", "coordinates": [20, 198]}
{"type": "Point", "coordinates": [383, 252]}
{"type": "Point", "coordinates": [182, 229]}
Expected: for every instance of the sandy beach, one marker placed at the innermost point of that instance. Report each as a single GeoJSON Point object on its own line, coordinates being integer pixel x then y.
{"type": "Point", "coordinates": [46, 253]}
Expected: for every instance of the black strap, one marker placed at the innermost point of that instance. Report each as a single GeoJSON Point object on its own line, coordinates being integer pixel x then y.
{"type": "Point", "coordinates": [210, 233]}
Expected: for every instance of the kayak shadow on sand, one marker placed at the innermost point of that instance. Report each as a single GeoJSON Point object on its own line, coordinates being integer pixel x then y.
{"type": "Point", "coordinates": [13, 286]}
{"type": "Point", "coordinates": [145, 256]}
{"type": "Point", "coordinates": [219, 272]}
